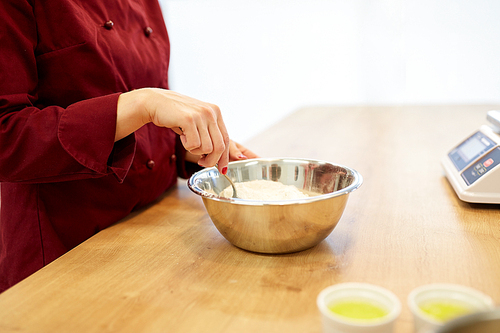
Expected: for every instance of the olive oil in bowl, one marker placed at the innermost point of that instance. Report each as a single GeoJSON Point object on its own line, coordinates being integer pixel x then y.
{"type": "Point", "coordinates": [444, 310]}
{"type": "Point", "coordinates": [358, 309]}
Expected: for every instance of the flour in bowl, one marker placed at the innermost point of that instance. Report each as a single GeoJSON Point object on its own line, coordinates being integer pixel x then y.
{"type": "Point", "coordinates": [264, 190]}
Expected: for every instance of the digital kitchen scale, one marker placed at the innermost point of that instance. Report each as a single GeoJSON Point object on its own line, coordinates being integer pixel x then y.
{"type": "Point", "coordinates": [473, 168]}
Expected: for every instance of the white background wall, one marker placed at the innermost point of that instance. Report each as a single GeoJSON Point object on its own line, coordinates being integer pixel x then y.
{"type": "Point", "coordinates": [262, 59]}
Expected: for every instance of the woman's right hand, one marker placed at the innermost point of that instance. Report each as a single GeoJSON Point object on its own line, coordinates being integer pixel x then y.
{"type": "Point", "coordinates": [200, 125]}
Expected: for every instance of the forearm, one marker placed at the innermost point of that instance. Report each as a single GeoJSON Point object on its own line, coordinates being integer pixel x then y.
{"type": "Point", "coordinates": [199, 124]}
{"type": "Point", "coordinates": [79, 147]}
{"type": "Point", "coordinates": [130, 113]}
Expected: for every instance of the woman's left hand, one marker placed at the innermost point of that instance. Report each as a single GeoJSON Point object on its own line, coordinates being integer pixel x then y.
{"type": "Point", "coordinates": [237, 152]}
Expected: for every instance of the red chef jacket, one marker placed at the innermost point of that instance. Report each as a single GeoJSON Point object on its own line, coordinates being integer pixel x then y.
{"type": "Point", "coordinates": [63, 64]}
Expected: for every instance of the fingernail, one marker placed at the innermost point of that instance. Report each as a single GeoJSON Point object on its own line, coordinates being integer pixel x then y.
{"type": "Point", "coordinates": [242, 157]}
{"type": "Point", "coordinates": [224, 170]}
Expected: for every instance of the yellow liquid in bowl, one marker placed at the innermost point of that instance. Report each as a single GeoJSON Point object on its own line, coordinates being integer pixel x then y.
{"type": "Point", "coordinates": [444, 310]}
{"type": "Point", "coordinates": [358, 310]}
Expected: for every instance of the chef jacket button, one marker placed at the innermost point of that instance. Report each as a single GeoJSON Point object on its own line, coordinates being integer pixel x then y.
{"type": "Point", "coordinates": [148, 31]}
{"type": "Point", "coordinates": [173, 158]}
{"type": "Point", "coordinates": [109, 25]}
{"type": "Point", "coordinates": [150, 164]}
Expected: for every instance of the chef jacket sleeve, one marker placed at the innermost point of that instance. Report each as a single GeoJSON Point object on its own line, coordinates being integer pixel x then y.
{"type": "Point", "coordinates": [50, 143]}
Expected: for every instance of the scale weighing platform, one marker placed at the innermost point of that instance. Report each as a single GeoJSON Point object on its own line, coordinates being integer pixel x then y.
{"type": "Point", "coordinates": [473, 168]}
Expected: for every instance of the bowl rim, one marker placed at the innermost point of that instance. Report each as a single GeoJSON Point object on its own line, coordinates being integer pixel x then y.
{"type": "Point", "coordinates": [455, 291]}
{"type": "Point", "coordinates": [358, 180]}
{"type": "Point", "coordinates": [361, 290]}
{"type": "Point", "coordinates": [469, 320]}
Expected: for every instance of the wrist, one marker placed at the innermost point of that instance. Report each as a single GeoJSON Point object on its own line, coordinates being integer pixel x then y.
{"type": "Point", "coordinates": [131, 113]}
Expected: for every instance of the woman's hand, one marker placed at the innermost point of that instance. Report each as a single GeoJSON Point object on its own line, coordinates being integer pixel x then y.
{"type": "Point", "coordinates": [237, 152]}
{"type": "Point", "coordinates": [199, 124]}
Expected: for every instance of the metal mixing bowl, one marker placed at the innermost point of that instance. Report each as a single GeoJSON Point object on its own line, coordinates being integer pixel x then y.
{"type": "Point", "coordinates": [278, 226]}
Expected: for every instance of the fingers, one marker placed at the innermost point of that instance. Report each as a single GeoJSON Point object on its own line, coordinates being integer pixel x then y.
{"type": "Point", "coordinates": [205, 134]}
{"type": "Point", "coordinates": [205, 138]}
{"type": "Point", "coordinates": [239, 152]}
{"type": "Point", "coordinates": [214, 149]}
{"type": "Point", "coordinates": [248, 153]}
{"type": "Point", "coordinates": [235, 153]}
{"type": "Point", "coordinates": [200, 125]}
{"type": "Point", "coordinates": [224, 159]}
{"type": "Point", "coordinates": [190, 137]}
{"type": "Point", "coordinates": [177, 130]}
{"type": "Point", "coordinates": [223, 162]}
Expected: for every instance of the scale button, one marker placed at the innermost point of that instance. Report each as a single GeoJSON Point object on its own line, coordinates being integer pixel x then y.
{"type": "Point", "coordinates": [481, 171]}
{"type": "Point", "coordinates": [488, 162]}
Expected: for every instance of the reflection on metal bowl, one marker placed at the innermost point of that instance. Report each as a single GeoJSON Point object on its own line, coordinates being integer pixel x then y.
{"type": "Point", "coordinates": [278, 226]}
{"type": "Point", "coordinates": [483, 322]}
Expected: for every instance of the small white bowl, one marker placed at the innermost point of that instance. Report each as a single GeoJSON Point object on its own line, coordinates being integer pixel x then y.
{"type": "Point", "coordinates": [451, 294]}
{"type": "Point", "coordinates": [358, 292]}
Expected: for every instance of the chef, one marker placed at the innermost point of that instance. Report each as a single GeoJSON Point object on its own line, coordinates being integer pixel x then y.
{"type": "Point", "coordinates": [88, 128]}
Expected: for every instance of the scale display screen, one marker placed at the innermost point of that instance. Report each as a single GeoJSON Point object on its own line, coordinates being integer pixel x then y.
{"type": "Point", "coordinates": [471, 149]}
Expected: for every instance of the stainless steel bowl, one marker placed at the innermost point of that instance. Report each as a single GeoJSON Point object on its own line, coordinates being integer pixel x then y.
{"type": "Point", "coordinates": [483, 322]}
{"type": "Point", "coordinates": [278, 226]}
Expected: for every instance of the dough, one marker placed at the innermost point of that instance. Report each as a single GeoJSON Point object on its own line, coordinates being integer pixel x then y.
{"type": "Point", "coordinates": [264, 190]}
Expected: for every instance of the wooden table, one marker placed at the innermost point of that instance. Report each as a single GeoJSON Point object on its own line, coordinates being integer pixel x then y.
{"type": "Point", "coordinates": [167, 269]}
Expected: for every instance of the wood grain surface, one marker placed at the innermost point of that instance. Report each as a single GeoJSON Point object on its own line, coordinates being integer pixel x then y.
{"type": "Point", "coordinates": [166, 268]}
